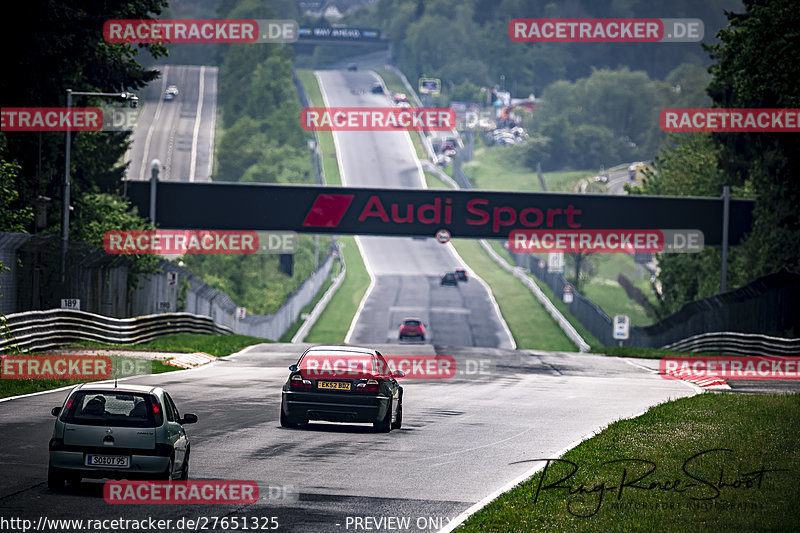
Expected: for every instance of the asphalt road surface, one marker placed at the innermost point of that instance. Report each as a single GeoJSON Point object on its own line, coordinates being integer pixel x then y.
{"type": "Point", "coordinates": [406, 271]}
{"type": "Point", "coordinates": [462, 438]}
{"type": "Point", "coordinates": [179, 133]}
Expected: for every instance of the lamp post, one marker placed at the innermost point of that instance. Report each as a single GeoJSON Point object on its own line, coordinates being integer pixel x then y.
{"type": "Point", "coordinates": [134, 100]}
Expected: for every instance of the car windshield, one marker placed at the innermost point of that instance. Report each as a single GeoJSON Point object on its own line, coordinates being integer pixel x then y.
{"type": "Point", "coordinates": [111, 408]}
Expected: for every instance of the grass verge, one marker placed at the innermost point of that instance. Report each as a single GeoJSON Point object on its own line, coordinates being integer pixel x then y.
{"type": "Point", "coordinates": [334, 322]}
{"type": "Point", "coordinates": [216, 345]}
{"type": "Point", "coordinates": [557, 301]}
{"type": "Point", "coordinates": [335, 269]}
{"type": "Point", "coordinates": [499, 168]}
{"type": "Point", "coordinates": [721, 462]}
{"type": "Point", "coordinates": [532, 327]}
{"type": "Point", "coordinates": [330, 166]}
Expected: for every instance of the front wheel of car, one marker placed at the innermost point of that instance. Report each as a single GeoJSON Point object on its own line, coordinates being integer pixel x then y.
{"type": "Point", "coordinates": [385, 425]}
{"type": "Point", "coordinates": [55, 478]}
{"type": "Point", "coordinates": [398, 421]}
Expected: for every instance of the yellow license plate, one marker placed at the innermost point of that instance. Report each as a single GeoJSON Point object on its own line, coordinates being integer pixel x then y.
{"type": "Point", "coordinates": [336, 385]}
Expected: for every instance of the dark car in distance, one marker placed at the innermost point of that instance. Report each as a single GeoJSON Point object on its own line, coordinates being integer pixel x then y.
{"type": "Point", "coordinates": [338, 383]}
{"type": "Point", "coordinates": [461, 274]}
{"type": "Point", "coordinates": [449, 278]}
{"type": "Point", "coordinates": [412, 328]}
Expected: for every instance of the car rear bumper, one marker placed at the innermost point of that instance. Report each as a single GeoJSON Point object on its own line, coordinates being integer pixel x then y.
{"type": "Point", "coordinates": [334, 407]}
{"type": "Point", "coordinates": [141, 466]}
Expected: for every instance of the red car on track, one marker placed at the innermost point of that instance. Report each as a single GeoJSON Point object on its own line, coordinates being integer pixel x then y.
{"type": "Point", "coordinates": [412, 328]}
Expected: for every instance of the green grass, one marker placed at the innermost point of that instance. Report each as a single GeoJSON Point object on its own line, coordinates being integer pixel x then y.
{"type": "Point", "coordinates": [216, 345]}
{"type": "Point", "coordinates": [760, 431]}
{"type": "Point", "coordinates": [434, 182]}
{"type": "Point", "coordinates": [394, 83]}
{"type": "Point", "coordinates": [287, 337]}
{"type": "Point", "coordinates": [17, 387]}
{"type": "Point", "coordinates": [330, 166]}
{"type": "Point", "coordinates": [532, 327]}
{"type": "Point", "coordinates": [335, 320]}
{"type": "Point", "coordinates": [558, 302]}
{"type": "Point", "coordinates": [498, 168]}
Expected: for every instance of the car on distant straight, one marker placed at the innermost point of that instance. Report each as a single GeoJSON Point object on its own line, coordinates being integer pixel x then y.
{"type": "Point", "coordinates": [171, 92]}
{"type": "Point", "coordinates": [377, 88]}
{"type": "Point", "coordinates": [368, 395]}
{"type": "Point", "coordinates": [119, 432]}
{"type": "Point", "coordinates": [461, 274]}
{"type": "Point", "coordinates": [412, 328]}
{"type": "Point", "coordinates": [449, 278]}
{"type": "Point", "coordinates": [352, 66]}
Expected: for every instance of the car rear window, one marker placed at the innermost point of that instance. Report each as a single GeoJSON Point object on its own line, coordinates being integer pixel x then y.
{"type": "Point", "coordinates": [412, 322]}
{"type": "Point", "coordinates": [110, 408]}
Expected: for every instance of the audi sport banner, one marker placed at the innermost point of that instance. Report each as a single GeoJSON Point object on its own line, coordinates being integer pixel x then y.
{"type": "Point", "coordinates": [423, 212]}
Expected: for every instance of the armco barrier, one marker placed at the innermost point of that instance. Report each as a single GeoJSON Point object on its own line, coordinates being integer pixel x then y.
{"type": "Point", "coordinates": [36, 330]}
{"type": "Point", "coordinates": [518, 273]}
{"type": "Point", "coordinates": [737, 343]}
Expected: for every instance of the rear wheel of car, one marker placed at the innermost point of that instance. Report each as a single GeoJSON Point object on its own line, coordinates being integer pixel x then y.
{"type": "Point", "coordinates": [185, 467]}
{"type": "Point", "coordinates": [289, 422]}
{"type": "Point", "coordinates": [385, 425]}
{"type": "Point", "coordinates": [398, 421]}
{"type": "Point", "coordinates": [167, 474]}
{"type": "Point", "coordinates": [55, 478]}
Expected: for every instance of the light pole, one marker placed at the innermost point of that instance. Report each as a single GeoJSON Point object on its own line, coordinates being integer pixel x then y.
{"type": "Point", "coordinates": [134, 100]}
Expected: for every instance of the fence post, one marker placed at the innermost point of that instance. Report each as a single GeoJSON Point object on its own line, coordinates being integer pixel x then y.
{"type": "Point", "coordinates": [726, 200]}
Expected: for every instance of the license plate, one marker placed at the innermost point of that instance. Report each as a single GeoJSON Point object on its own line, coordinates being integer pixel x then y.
{"type": "Point", "coordinates": [335, 385]}
{"type": "Point", "coordinates": [117, 461]}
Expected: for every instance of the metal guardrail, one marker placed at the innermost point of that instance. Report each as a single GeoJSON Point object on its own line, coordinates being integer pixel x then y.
{"type": "Point", "coordinates": [36, 330]}
{"type": "Point", "coordinates": [321, 305]}
{"type": "Point", "coordinates": [738, 343]}
{"type": "Point", "coordinates": [518, 273]}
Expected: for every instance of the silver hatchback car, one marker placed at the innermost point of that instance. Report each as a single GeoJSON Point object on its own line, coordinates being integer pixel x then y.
{"type": "Point", "coordinates": [118, 432]}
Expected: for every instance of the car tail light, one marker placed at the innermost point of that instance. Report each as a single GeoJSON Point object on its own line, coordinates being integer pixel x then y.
{"type": "Point", "coordinates": [297, 382]}
{"type": "Point", "coordinates": [371, 385]}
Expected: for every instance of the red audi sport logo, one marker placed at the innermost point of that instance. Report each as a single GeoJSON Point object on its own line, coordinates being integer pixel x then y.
{"type": "Point", "coordinates": [328, 211]}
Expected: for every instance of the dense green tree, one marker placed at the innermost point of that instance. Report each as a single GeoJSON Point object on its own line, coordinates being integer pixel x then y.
{"type": "Point", "coordinates": [757, 66]}
{"type": "Point", "coordinates": [52, 46]}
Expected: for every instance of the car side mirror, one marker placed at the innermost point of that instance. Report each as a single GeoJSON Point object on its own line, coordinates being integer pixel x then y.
{"type": "Point", "coordinates": [55, 411]}
{"type": "Point", "coordinates": [189, 418]}
{"type": "Point", "coordinates": [292, 367]}
{"type": "Point", "coordinates": [398, 374]}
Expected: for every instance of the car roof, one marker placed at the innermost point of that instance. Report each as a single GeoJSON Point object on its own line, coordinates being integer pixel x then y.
{"type": "Point", "coordinates": [340, 348]}
{"type": "Point", "coordinates": [103, 387]}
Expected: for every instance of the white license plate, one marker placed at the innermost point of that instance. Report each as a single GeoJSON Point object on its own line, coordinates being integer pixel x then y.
{"type": "Point", "coordinates": [117, 461]}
